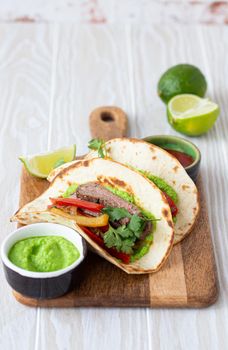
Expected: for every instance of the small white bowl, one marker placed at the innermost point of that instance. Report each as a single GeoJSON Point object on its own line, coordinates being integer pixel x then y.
{"type": "Point", "coordinates": [43, 285]}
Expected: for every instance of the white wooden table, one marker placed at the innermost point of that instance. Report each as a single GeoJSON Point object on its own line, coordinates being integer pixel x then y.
{"type": "Point", "coordinates": [51, 76]}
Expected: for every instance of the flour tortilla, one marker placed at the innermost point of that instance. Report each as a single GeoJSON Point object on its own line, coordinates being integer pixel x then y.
{"type": "Point", "coordinates": [148, 157]}
{"type": "Point", "coordinates": [106, 171]}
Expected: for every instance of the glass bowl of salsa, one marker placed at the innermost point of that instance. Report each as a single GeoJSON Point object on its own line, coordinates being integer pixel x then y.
{"type": "Point", "coordinates": [186, 152]}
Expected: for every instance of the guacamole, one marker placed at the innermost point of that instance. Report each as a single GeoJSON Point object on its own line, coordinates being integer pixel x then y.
{"type": "Point", "coordinates": [70, 190]}
{"type": "Point", "coordinates": [43, 253]}
{"type": "Point", "coordinates": [161, 184]}
{"type": "Point", "coordinates": [130, 198]}
{"type": "Point", "coordinates": [122, 194]}
{"type": "Point", "coordinates": [143, 250]}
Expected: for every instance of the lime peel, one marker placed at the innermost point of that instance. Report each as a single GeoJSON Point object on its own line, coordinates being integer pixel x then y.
{"type": "Point", "coordinates": [181, 79]}
{"type": "Point", "coordinates": [40, 165]}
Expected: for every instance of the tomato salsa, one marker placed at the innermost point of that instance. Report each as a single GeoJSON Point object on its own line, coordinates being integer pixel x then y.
{"type": "Point", "coordinates": [183, 158]}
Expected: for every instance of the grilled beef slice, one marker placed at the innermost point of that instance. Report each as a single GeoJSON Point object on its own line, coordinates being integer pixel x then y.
{"type": "Point", "coordinates": [147, 230]}
{"type": "Point", "coordinates": [94, 192]}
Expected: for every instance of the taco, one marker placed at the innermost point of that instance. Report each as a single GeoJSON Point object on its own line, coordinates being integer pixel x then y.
{"type": "Point", "coordinates": [165, 172]}
{"type": "Point", "coordinates": [120, 213]}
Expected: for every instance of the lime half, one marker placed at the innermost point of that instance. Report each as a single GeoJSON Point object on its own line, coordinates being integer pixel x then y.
{"type": "Point", "coordinates": [41, 165]}
{"type": "Point", "coordinates": [192, 115]}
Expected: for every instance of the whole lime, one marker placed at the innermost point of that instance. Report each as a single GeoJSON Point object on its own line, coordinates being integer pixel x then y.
{"type": "Point", "coordinates": [181, 79]}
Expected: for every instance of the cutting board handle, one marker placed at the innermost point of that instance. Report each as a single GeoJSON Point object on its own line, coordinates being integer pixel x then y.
{"type": "Point", "coordinates": [108, 122]}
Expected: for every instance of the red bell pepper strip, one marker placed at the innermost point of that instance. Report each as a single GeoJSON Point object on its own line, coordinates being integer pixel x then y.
{"type": "Point", "coordinates": [173, 207]}
{"type": "Point", "coordinates": [104, 228]}
{"type": "Point", "coordinates": [125, 258]}
{"type": "Point", "coordinates": [93, 236]}
{"type": "Point", "coordinates": [75, 202]}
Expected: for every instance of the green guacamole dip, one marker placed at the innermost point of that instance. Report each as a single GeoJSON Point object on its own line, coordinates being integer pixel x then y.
{"type": "Point", "coordinates": [43, 253]}
{"type": "Point", "coordinates": [122, 194]}
{"type": "Point", "coordinates": [160, 183]}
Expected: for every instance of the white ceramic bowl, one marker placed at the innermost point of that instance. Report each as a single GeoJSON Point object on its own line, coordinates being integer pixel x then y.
{"type": "Point", "coordinates": [43, 284]}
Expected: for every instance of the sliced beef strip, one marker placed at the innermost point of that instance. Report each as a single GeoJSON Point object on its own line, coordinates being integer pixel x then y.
{"type": "Point", "coordinates": [147, 230]}
{"type": "Point", "coordinates": [67, 209]}
{"type": "Point", "coordinates": [90, 212]}
{"type": "Point", "coordinates": [121, 222]}
{"type": "Point", "coordinates": [94, 192]}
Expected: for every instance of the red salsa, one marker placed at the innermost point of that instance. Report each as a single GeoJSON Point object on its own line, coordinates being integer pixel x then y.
{"type": "Point", "coordinates": [183, 158]}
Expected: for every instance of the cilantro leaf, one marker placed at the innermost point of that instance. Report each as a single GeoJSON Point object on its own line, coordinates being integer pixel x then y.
{"type": "Point", "coordinates": [127, 245]}
{"type": "Point", "coordinates": [137, 225]}
{"type": "Point", "coordinates": [122, 239]}
{"type": "Point", "coordinates": [95, 143]}
{"type": "Point", "coordinates": [111, 238]}
{"type": "Point", "coordinates": [124, 232]}
{"type": "Point", "coordinates": [116, 213]}
{"type": "Point", "coordinates": [99, 146]}
{"type": "Point", "coordinates": [101, 152]}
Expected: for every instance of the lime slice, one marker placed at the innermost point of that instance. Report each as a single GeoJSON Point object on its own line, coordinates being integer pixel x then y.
{"type": "Point", "coordinates": [41, 165]}
{"type": "Point", "coordinates": [192, 115]}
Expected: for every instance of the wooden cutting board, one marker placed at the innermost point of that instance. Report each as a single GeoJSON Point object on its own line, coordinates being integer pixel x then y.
{"type": "Point", "coordinates": [188, 278]}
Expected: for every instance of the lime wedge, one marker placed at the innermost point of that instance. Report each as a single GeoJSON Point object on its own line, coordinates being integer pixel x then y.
{"type": "Point", "coordinates": [41, 165]}
{"type": "Point", "coordinates": [192, 115]}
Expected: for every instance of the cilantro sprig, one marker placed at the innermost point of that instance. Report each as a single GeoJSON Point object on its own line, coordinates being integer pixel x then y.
{"type": "Point", "coordinates": [116, 213]}
{"type": "Point", "coordinates": [124, 237]}
{"type": "Point", "coordinates": [121, 238]}
{"type": "Point", "coordinates": [99, 146]}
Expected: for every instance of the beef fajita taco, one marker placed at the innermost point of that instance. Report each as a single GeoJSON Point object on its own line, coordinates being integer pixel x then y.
{"type": "Point", "coordinates": [120, 213]}
{"type": "Point", "coordinates": [165, 172]}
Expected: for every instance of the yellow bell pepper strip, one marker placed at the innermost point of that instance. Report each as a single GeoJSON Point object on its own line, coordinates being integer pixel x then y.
{"type": "Point", "coordinates": [97, 221]}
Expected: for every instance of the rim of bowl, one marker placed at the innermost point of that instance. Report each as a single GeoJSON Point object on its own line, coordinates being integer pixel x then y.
{"type": "Point", "coordinates": [67, 233]}
{"type": "Point", "coordinates": [182, 140]}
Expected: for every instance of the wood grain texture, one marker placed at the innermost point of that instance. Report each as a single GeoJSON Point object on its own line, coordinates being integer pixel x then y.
{"type": "Point", "coordinates": [64, 71]}
{"type": "Point", "coordinates": [177, 284]}
{"type": "Point", "coordinates": [25, 65]}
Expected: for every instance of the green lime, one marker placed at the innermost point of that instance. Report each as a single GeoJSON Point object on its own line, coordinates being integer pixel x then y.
{"type": "Point", "coordinates": [41, 165]}
{"type": "Point", "coordinates": [181, 79]}
{"type": "Point", "coordinates": [192, 115]}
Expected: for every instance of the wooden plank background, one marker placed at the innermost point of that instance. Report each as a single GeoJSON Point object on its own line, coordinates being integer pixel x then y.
{"type": "Point", "coordinates": [52, 75]}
